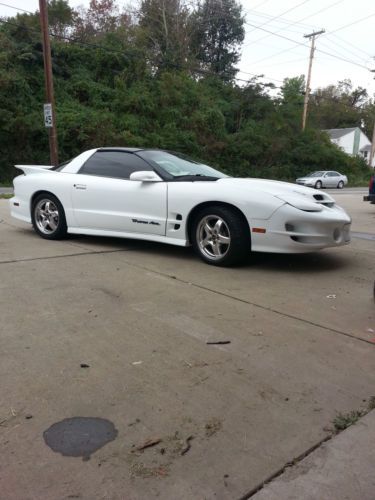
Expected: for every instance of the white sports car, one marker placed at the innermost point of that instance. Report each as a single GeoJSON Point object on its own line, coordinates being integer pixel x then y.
{"type": "Point", "coordinates": [167, 197]}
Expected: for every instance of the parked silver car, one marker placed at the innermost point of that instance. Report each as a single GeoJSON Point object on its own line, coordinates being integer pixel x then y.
{"type": "Point", "coordinates": [323, 179]}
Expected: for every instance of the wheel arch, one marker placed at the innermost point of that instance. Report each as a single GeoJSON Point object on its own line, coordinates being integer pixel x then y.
{"type": "Point", "coordinates": [205, 204]}
{"type": "Point", "coordinates": [38, 193]}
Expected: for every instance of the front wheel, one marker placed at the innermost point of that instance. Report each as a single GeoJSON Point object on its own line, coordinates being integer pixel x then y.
{"type": "Point", "coordinates": [48, 217]}
{"type": "Point", "coordinates": [221, 236]}
{"type": "Point", "coordinates": [340, 185]}
{"type": "Point", "coordinates": [318, 185]}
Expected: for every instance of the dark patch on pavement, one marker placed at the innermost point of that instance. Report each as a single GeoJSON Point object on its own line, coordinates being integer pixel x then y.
{"type": "Point", "coordinates": [79, 436]}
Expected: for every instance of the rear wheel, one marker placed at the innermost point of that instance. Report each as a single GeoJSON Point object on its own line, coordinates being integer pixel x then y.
{"type": "Point", "coordinates": [48, 217]}
{"type": "Point", "coordinates": [340, 185]}
{"type": "Point", "coordinates": [220, 236]}
{"type": "Point", "coordinates": [318, 185]}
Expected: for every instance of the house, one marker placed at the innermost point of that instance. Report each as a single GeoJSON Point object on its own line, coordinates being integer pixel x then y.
{"type": "Point", "coordinates": [352, 140]}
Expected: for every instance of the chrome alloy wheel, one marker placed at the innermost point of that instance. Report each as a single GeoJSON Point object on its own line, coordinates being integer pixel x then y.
{"type": "Point", "coordinates": [213, 237]}
{"type": "Point", "coordinates": [46, 216]}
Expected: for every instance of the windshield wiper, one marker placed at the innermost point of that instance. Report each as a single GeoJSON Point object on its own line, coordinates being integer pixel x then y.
{"type": "Point", "coordinates": [195, 177]}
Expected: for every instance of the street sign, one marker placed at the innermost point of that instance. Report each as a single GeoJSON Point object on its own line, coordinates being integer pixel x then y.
{"type": "Point", "coordinates": [48, 122]}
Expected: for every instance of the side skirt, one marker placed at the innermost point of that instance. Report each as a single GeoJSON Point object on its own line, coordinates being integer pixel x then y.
{"type": "Point", "coordinates": [135, 236]}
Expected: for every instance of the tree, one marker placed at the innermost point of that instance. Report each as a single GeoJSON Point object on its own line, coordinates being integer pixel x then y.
{"type": "Point", "coordinates": [338, 106]}
{"type": "Point", "coordinates": [165, 28]}
{"type": "Point", "coordinates": [291, 103]}
{"type": "Point", "coordinates": [102, 16]}
{"type": "Point", "coordinates": [218, 33]}
{"type": "Point", "coordinates": [61, 17]}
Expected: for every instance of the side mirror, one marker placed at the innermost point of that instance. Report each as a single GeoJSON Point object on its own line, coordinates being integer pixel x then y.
{"type": "Point", "coordinates": [145, 176]}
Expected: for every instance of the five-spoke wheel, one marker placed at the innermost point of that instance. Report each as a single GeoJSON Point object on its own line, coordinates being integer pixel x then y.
{"type": "Point", "coordinates": [48, 217]}
{"type": "Point", "coordinates": [220, 235]}
{"type": "Point", "coordinates": [213, 236]}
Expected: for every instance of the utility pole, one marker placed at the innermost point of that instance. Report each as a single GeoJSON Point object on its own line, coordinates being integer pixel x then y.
{"type": "Point", "coordinates": [307, 90]}
{"type": "Point", "coordinates": [49, 107]}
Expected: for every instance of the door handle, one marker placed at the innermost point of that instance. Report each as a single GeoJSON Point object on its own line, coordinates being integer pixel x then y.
{"type": "Point", "coordinates": [80, 186]}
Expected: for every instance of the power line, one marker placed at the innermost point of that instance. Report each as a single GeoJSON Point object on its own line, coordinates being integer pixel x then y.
{"type": "Point", "coordinates": [278, 16]}
{"type": "Point", "coordinates": [351, 24]}
{"type": "Point", "coordinates": [278, 20]}
{"type": "Point", "coordinates": [290, 61]}
{"type": "Point", "coordinates": [260, 27]}
{"type": "Point", "coordinates": [16, 8]}
{"type": "Point", "coordinates": [305, 45]}
{"type": "Point", "coordinates": [342, 48]}
{"type": "Point", "coordinates": [349, 44]}
{"type": "Point", "coordinates": [292, 23]}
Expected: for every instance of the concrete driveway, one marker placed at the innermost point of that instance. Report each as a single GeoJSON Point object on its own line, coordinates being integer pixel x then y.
{"type": "Point", "coordinates": [118, 330]}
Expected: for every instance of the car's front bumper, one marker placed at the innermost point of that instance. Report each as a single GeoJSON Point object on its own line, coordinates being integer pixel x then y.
{"type": "Point", "coordinates": [291, 230]}
{"type": "Point", "coordinates": [304, 183]}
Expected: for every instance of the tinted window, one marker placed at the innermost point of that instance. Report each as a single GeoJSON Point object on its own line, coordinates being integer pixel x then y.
{"type": "Point", "coordinates": [333, 174]}
{"type": "Point", "coordinates": [113, 164]}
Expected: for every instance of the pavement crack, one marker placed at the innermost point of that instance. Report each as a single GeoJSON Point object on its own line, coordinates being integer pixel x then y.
{"type": "Point", "coordinates": [282, 469]}
{"type": "Point", "coordinates": [244, 301]}
{"type": "Point", "coordinates": [31, 259]}
{"type": "Point", "coordinates": [201, 287]}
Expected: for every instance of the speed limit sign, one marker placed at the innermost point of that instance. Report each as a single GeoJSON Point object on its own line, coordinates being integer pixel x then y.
{"type": "Point", "coordinates": [48, 122]}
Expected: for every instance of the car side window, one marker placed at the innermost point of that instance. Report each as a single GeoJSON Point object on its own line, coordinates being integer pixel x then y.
{"type": "Point", "coordinates": [115, 164]}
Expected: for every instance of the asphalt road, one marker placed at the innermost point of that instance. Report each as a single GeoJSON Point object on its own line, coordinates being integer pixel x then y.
{"type": "Point", "coordinates": [118, 330]}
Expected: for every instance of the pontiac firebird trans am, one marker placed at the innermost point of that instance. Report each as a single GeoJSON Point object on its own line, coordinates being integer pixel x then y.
{"type": "Point", "coordinates": [167, 197]}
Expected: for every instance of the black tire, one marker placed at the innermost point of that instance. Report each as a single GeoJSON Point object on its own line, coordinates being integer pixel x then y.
{"type": "Point", "coordinates": [54, 217]}
{"type": "Point", "coordinates": [318, 185]}
{"type": "Point", "coordinates": [340, 185]}
{"type": "Point", "coordinates": [233, 226]}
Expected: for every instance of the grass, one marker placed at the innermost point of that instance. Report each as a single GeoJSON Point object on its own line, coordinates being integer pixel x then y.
{"type": "Point", "coordinates": [6, 196]}
{"type": "Point", "coordinates": [344, 420]}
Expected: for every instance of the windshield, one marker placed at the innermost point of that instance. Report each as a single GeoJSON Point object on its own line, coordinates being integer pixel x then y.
{"type": "Point", "coordinates": [178, 165]}
{"type": "Point", "coordinates": [315, 174]}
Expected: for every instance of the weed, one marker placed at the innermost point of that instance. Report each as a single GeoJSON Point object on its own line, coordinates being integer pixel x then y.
{"type": "Point", "coordinates": [345, 420]}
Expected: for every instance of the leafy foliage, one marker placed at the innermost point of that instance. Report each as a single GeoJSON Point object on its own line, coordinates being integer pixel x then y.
{"type": "Point", "coordinates": [163, 77]}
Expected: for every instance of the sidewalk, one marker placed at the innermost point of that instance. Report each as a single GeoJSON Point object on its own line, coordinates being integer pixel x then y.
{"type": "Point", "coordinates": [341, 469]}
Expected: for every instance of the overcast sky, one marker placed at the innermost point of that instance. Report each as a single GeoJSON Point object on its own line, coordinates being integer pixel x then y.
{"type": "Point", "coordinates": [276, 57]}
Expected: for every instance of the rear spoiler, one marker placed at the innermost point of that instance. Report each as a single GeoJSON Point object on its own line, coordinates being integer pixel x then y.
{"type": "Point", "coordinates": [34, 169]}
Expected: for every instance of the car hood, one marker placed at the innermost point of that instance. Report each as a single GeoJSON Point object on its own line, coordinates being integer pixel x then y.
{"type": "Point", "coordinates": [301, 197]}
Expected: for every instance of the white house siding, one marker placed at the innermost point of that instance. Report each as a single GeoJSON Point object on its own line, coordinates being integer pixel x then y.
{"type": "Point", "coordinates": [346, 142]}
{"type": "Point", "coordinates": [352, 142]}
